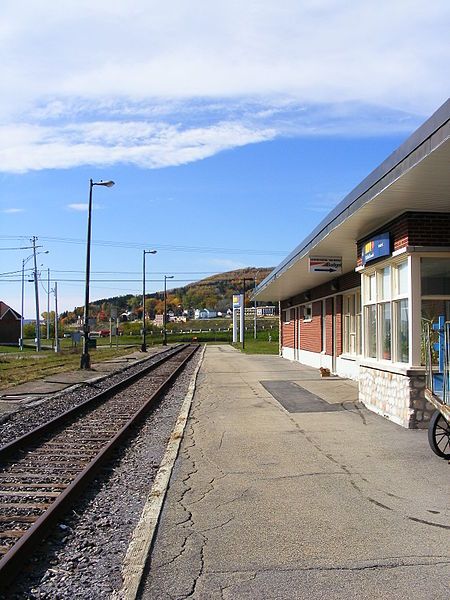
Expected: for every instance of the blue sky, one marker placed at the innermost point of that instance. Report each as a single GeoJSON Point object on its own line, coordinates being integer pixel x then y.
{"type": "Point", "coordinates": [230, 128]}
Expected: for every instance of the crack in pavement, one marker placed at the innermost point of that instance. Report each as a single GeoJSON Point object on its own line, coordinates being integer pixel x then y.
{"type": "Point", "coordinates": [351, 568]}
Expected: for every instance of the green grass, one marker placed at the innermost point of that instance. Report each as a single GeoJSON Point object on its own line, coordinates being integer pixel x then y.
{"type": "Point", "coordinates": [258, 347]}
{"type": "Point", "coordinates": [21, 367]}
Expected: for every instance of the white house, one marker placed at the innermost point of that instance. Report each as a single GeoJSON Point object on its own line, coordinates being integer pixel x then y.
{"type": "Point", "coordinates": [204, 313]}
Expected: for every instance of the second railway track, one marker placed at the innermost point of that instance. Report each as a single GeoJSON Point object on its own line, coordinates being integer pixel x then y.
{"type": "Point", "coordinates": [44, 471]}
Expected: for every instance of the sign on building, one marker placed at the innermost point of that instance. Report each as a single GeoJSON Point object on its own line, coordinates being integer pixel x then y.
{"type": "Point", "coordinates": [325, 264]}
{"type": "Point", "coordinates": [375, 248]}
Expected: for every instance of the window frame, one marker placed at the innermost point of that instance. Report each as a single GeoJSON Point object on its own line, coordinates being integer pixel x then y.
{"type": "Point", "coordinates": [382, 295]}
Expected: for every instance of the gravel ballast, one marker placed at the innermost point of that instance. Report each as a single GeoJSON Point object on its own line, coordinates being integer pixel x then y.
{"type": "Point", "coordinates": [44, 408]}
{"type": "Point", "coordinates": [83, 557]}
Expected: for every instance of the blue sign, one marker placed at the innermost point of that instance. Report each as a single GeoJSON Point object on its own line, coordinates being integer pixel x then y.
{"type": "Point", "coordinates": [375, 248]}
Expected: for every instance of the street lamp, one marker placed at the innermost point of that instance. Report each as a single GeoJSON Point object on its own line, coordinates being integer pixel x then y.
{"type": "Point", "coordinates": [166, 277]}
{"type": "Point", "coordinates": [85, 358]}
{"type": "Point", "coordinates": [144, 252]}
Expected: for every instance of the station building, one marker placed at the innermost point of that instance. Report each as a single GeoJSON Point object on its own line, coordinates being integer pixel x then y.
{"type": "Point", "coordinates": [355, 293]}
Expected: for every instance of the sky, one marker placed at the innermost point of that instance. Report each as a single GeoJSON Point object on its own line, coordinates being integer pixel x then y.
{"type": "Point", "coordinates": [229, 128]}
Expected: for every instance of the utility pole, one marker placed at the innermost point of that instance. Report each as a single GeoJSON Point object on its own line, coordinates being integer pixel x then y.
{"type": "Point", "coordinates": [144, 331]}
{"type": "Point", "coordinates": [166, 277]}
{"type": "Point", "coordinates": [254, 305]}
{"type": "Point", "coordinates": [48, 304]}
{"type": "Point", "coordinates": [22, 309]}
{"type": "Point", "coordinates": [56, 317]}
{"type": "Point", "coordinates": [36, 292]}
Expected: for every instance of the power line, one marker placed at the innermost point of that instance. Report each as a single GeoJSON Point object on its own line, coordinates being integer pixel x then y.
{"type": "Point", "coordinates": [168, 247]}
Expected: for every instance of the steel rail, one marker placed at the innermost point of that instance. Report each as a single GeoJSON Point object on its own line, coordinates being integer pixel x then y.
{"type": "Point", "coordinates": [29, 437]}
{"type": "Point", "coordinates": [12, 561]}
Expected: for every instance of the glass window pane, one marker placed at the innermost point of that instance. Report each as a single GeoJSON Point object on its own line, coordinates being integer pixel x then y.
{"type": "Point", "coordinates": [435, 274]}
{"type": "Point", "coordinates": [371, 316]}
{"type": "Point", "coordinates": [432, 309]}
{"type": "Point", "coordinates": [372, 288]}
{"type": "Point", "coordinates": [385, 310]}
{"type": "Point", "coordinates": [385, 281]}
{"type": "Point", "coordinates": [402, 278]}
{"type": "Point", "coordinates": [402, 331]}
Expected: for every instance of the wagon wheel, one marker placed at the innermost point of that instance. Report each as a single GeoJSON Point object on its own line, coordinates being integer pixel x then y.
{"type": "Point", "coordinates": [439, 435]}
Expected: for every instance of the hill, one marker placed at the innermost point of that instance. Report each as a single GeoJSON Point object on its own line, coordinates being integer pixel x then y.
{"type": "Point", "coordinates": [213, 292]}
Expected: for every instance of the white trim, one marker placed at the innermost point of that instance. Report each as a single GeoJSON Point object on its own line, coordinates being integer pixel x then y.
{"type": "Point", "coordinates": [347, 366]}
{"type": "Point", "coordinates": [288, 353]}
{"type": "Point", "coordinates": [11, 310]}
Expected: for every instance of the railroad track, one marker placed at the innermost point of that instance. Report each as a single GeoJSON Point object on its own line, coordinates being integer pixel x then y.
{"type": "Point", "coordinates": [45, 470]}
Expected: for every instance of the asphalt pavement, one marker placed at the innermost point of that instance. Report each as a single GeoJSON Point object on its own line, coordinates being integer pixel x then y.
{"type": "Point", "coordinates": [286, 487]}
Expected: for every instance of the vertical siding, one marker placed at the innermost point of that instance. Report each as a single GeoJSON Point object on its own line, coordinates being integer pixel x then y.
{"type": "Point", "coordinates": [338, 332]}
{"type": "Point", "coordinates": [329, 326]}
{"type": "Point", "coordinates": [311, 331]}
{"type": "Point", "coordinates": [288, 332]}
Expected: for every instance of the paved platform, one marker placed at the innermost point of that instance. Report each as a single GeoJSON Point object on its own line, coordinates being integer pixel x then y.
{"type": "Point", "coordinates": [270, 503]}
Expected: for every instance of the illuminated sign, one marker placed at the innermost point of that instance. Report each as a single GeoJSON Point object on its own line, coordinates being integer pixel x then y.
{"type": "Point", "coordinates": [375, 248]}
{"type": "Point", "coordinates": [236, 301]}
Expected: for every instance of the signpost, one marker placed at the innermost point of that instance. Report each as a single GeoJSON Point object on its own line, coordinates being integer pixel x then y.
{"type": "Point", "coordinates": [325, 264]}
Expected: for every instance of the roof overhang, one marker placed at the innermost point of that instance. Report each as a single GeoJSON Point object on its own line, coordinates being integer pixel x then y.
{"type": "Point", "coordinates": [416, 177]}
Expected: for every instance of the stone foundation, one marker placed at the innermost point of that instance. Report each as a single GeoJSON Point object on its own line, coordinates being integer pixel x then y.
{"type": "Point", "coordinates": [397, 397]}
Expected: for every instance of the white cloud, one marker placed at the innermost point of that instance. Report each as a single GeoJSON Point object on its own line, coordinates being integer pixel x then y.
{"type": "Point", "coordinates": [324, 202]}
{"type": "Point", "coordinates": [12, 211]}
{"type": "Point", "coordinates": [143, 144]}
{"type": "Point", "coordinates": [83, 207]}
{"type": "Point", "coordinates": [78, 207]}
{"type": "Point", "coordinates": [107, 82]}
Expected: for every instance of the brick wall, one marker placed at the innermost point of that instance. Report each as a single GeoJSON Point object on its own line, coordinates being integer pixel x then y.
{"type": "Point", "coordinates": [413, 229]}
{"type": "Point", "coordinates": [288, 331]}
{"type": "Point", "coordinates": [311, 331]}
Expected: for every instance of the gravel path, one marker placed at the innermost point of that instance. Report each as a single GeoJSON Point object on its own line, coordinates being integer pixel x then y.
{"type": "Point", "coordinates": [83, 558]}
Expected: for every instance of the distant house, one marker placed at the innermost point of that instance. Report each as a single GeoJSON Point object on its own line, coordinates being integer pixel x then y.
{"type": "Point", "coordinates": [204, 313]}
{"type": "Point", "coordinates": [126, 316]}
{"type": "Point", "coordinates": [158, 320]}
{"type": "Point", "coordinates": [9, 324]}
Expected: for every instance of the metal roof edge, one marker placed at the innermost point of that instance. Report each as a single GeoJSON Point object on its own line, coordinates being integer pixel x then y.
{"type": "Point", "coordinates": [435, 122]}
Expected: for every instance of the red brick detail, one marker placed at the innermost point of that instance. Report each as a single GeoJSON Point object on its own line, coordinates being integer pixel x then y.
{"type": "Point", "coordinates": [311, 331]}
{"type": "Point", "coordinates": [414, 229]}
{"type": "Point", "coordinates": [288, 333]}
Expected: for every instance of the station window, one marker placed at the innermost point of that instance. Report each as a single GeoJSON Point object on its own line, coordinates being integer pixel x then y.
{"type": "Point", "coordinates": [307, 312]}
{"type": "Point", "coordinates": [386, 313]}
{"type": "Point", "coordinates": [351, 317]}
{"type": "Point", "coordinates": [435, 284]}
{"type": "Point", "coordinates": [287, 316]}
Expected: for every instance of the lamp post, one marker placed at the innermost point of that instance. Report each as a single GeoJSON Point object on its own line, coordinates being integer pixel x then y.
{"type": "Point", "coordinates": [166, 277]}
{"type": "Point", "coordinates": [85, 358]}
{"type": "Point", "coordinates": [144, 252]}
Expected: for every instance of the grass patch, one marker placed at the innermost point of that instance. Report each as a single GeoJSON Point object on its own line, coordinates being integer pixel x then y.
{"type": "Point", "coordinates": [21, 367]}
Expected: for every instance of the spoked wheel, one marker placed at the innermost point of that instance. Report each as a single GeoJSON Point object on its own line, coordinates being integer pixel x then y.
{"type": "Point", "coordinates": [439, 435]}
